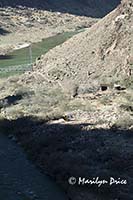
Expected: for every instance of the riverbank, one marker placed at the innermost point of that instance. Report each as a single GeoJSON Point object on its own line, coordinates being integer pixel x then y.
{"type": "Point", "coordinates": [25, 54]}
{"type": "Point", "coordinates": [27, 25]}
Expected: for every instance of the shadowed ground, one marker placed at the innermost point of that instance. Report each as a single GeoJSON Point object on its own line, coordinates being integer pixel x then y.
{"type": "Point", "coordinates": [19, 179]}
{"type": "Point", "coordinates": [3, 32]}
{"type": "Point", "coordinates": [64, 150]}
{"type": "Point", "coordinates": [91, 8]}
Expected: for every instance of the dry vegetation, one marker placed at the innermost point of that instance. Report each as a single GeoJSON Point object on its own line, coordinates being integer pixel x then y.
{"type": "Point", "coordinates": [76, 107]}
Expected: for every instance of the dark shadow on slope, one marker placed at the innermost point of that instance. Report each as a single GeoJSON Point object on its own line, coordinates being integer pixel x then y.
{"type": "Point", "coordinates": [10, 100]}
{"type": "Point", "coordinates": [91, 8]}
{"type": "Point", "coordinates": [6, 57]}
{"type": "Point", "coordinates": [3, 31]}
{"type": "Point", "coordinates": [63, 151]}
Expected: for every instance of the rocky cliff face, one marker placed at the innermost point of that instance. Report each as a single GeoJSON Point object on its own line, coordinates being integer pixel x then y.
{"type": "Point", "coordinates": [96, 8]}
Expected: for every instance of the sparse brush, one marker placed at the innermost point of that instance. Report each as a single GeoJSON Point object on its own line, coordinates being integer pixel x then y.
{"type": "Point", "coordinates": [124, 122]}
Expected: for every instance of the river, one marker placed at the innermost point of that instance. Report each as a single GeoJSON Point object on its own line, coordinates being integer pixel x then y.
{"type": "Point", "coordinates": [11, 63]}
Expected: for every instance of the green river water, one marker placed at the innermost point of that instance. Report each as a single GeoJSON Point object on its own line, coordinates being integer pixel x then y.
{"type": "Point", "coordinates": [20, 60]}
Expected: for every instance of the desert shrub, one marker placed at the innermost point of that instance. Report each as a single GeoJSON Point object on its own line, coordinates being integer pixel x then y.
{"type": "Point", "coordinates": [127, 106]}
{"type": "Point", "coordinates": [105, 100]}
{"type": "Point", "coordinates": [124, 122]}
{"type": "Point", "coordinates": [69, 87]}
{"type": "Point", "coordinates": [127, 82]}
{"type": "Point", "coordinates": [126, 103]}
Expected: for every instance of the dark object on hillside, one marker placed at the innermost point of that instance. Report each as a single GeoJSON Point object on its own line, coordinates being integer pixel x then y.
{"type": "Point", "coordinates": [104, 87]}
{"type": "Point", "coordinates": [10, 100]}
{"type": "Point", "coordinates": [3, 31]}
{"type": "Point", "coordinates": [127, 107]}
{"type": "Point", "coordinates": [119, 87]}
{"type": "Point", "coordinates": [5, 57]}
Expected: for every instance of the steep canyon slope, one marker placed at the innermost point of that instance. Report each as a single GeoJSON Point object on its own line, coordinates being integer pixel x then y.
{"type": "Point", "coordinates": [99, 57]}
{"type": "Point", "coordinates": [102, 53]}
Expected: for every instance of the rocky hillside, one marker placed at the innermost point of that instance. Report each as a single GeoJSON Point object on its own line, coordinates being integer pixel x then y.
{"type": "Point", "coordinates": [87, 132]}
{"type": "Point", "coordinates": [95, 8]}
{"type": "Point", "coordinates": [101, 53]}
{"type": "Point", "coordinates": [94, 60]}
